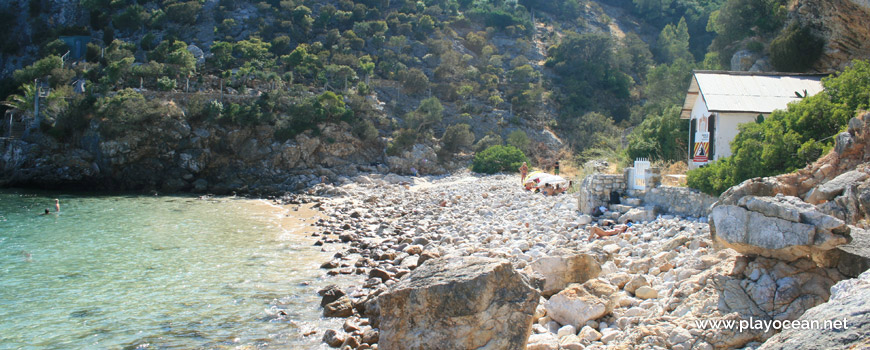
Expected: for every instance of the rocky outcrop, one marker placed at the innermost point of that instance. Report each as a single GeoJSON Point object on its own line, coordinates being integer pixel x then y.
{"type": "Point", "coordinates": [841, 323]}
{"type": "Point", "coordinates": [781, 227]}
{"type": "Point", "coordinates": [458, 303]}
{"type": "Point", "coordinates": [173, 155]}
{"type": "Point", "coordinates": [843, 26]}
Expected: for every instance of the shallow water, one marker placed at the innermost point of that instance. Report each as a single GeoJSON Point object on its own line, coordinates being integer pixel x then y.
{"type": "Point", "coordinates": [154, 272]}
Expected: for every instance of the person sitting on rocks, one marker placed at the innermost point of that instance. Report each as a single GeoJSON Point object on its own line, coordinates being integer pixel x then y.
{"type": "Point", "coordinates": [609, 229]}
{"type": "Point", "coordinates": [549, 190]}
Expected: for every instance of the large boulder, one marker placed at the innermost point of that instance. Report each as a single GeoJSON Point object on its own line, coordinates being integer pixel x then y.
{"type": "Point", "coordinates": [559, 271]}
{"type": "Point", "coordinates": [849, 304]}
{"type": "Point", "coordinates": [836, 186]}
{"type": "Point", "coordinates": [458, 303]}
{"type": "Point", "coordinates": [781, 227]}
{"type": "Point", "coordinates": [581, 303]}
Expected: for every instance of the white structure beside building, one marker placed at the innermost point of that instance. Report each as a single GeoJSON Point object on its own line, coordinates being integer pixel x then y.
{"type": "Point", "coordinates": [718, 101]}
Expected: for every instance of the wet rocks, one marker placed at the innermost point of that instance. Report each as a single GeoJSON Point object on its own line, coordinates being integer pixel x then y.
{"type": "Point", "coordinates": [341, 307]}
{"type": "Point", "coordinates": [458, 303]}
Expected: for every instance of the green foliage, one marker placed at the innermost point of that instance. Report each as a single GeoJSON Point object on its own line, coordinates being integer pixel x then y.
{"type": "Point", "coordinates": [365, 130]}
{"type": "Point", "coordinates": [457, 137]}
{"type": "Point", "coordinates": [498, 159]}
{"type": "Point", "coordinates": [38, 69]}
{"type": "Point", "coordinates": [673, 43]}
{"type": "Point", "coordinates": [184, 12]}
{"type": "Point", "coordinates": [738, 19]}
{"type": "Point", "coordinates": [519, 139]}
{"type": "Point", "coordinates": [165, 84]}
{"type": "Point", "coordinates": [403, 139]}
{"type": "Point", "coordinates": [790, 139]}
{"type": "Point", "coordinates": [851, 87]}
{"type": "Point", "coordinates": [796, 49]}
{"type": "Point", "coordinates": [660, 137]}
{"type": "Point", "coordinates": [175, 55]}
{"type": "Point", "coordinates": [414, 80]}
{"type": "Point", "coordinates": [131, 19]}
{"type": "Point", "coordinates": [488, 141]}
{"type": "Point", "coordinates": [590, 78]}
{"type": "Point", "coordinates": [427, 114]}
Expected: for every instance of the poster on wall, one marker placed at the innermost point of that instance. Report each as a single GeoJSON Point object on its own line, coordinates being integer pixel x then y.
{"type": "Point", "coordinates": [702, 142]}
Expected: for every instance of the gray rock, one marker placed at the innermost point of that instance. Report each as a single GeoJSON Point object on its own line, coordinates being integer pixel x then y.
{"type": "Point", "coordinates": [559, 271]}
{"type": "Point", "coordinates": [836, 186]}
{"type": "Point", "coordinates": [851, 305]}
{"type": "Point", "coordinates": [458, 303]}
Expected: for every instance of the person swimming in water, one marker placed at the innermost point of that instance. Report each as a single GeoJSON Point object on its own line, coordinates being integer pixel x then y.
{"type": "Point", "coordinates": [47, 212]}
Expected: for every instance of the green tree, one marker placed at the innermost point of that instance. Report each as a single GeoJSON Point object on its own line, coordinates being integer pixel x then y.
{"type": "Point", "coordinates": [519, 139]}
{"type": "Point", "coordinates": [427, 114]}
{"type": "Point", "coordinates": [673, 43]}
{"type": "Point", "coordinates": [498, 158]}
{"type": "Point", "coordinates": [457, 137]}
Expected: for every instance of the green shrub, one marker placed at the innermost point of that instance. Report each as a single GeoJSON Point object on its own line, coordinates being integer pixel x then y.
{"type": "Point", "coordinates": [457, 137]}
{"type": "Point", "coordinates": [365, 130]}
{"type": "Point", "coordinates": [519, 139]}
{"type": "Point", "coordinates": [184, 12]}
{"type": "Point", "coordinates": [402, 140]}
{"type": "Point", "coordinates": [796, 49]}
{"type": "Point", "coordinates": [488, 141]}
{"type": "Point", "coordinates": [165, 84]}
{"type": "Point", "coordinates": [498, 158]}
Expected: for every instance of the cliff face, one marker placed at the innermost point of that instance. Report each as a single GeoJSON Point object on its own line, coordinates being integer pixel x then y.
{"type": "Point", "coordinates": [173, 156]}
{"type": "Point", "coordinates": [845, 26]}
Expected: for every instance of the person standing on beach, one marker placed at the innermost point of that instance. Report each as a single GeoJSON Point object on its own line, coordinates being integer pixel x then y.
{"type": "Point", "coordinates": [524, 170]}
{"type": "Point", "coordinates": [556, 168]}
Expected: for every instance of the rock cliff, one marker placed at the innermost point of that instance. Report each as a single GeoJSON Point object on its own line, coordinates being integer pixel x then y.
{"type": "Point", "coordinates": [845, 26]}
{"type": "Point", "coordinates": [174, 156]}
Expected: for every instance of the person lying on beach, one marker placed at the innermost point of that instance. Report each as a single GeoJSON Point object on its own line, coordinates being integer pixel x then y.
{"type": "Point", "coordinates": [549, 190]}
{"type": "Point", "coordinates": [612, 230]}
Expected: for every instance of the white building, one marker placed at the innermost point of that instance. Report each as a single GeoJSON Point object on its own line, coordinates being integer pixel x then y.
{"type": "Point", "coordinates": [718, 101]}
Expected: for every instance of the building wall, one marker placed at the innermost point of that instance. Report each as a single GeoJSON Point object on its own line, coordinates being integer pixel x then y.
{"type": "Point", "coordinates": [726, 131]}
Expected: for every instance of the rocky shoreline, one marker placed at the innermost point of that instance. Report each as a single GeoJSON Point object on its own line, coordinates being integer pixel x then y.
{"type": "Point", "coordinates": [652, 286]}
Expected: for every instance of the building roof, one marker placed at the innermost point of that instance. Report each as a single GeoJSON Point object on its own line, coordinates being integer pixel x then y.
{"type": "Point", "coordinates": [748, 92]}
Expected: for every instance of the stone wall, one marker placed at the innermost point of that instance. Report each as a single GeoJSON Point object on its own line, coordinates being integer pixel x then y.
{"type": "Point", "coordinates": [679, 201]}
{"type": "Point", "coordinates": [595, 190]}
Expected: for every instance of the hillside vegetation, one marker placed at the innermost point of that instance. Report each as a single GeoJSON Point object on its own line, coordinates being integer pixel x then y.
{"type": "Point", "coordinates": [457, 75]}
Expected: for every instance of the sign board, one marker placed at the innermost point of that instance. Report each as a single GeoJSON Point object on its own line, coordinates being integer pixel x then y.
{"type": "Point", "coordinates": [701, 152]}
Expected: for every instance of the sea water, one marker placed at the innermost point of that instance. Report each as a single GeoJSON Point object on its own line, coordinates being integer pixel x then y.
{"type": "Point", "coordinates": [127, 272]}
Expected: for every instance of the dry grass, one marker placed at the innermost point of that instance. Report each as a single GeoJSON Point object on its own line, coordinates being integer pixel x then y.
{"type": "Point", "coordinates": [673, 173]}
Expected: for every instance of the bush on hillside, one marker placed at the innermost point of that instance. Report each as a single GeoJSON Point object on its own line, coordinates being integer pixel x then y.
{"type": "Point", "coordinates": [457, 137]}
{"type": "Point", "coordinates": [796, 49]}
{"type": "Point", "coordinates": [488, 141]}
{"type": "Point", "coordinates": [498, 158]}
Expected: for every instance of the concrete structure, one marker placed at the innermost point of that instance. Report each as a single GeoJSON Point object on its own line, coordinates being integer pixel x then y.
{"type": "Point", "coordinates": [718, 101]}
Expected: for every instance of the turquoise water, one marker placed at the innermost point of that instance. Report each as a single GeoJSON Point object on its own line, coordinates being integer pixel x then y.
{"type": "Point", "coordinates": [114, 272]}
